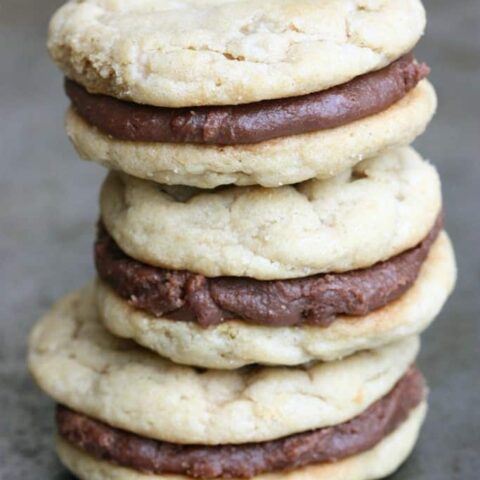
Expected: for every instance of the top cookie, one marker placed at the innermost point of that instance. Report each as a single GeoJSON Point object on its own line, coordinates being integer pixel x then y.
{"type": "Point", "coordinates": [176, 53]}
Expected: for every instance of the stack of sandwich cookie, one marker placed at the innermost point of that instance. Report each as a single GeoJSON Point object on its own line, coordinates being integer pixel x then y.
{"type": "Point", "coordinates": [268, 247]}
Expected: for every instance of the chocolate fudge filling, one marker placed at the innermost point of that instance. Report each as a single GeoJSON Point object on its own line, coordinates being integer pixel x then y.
{"type": "Point", "coordinates": [314, 300]}
{"type": "Point", "coordinates": [250, 123]}
{"type": "Point", "coordinates": [323, 445]}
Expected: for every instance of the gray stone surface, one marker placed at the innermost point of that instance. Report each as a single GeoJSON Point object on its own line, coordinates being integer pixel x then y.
{"type": "Point", "coordinates": [48, 207]}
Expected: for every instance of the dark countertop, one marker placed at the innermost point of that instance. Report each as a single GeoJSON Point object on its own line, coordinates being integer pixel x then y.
{"type": "Point", "coordinates": [48, 202]}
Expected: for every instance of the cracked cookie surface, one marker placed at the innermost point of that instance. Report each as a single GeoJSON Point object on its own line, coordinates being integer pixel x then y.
{"type": "Point", "coordinates": [156, 51]}
{"type": "Point", "coordinates": [379, 209]}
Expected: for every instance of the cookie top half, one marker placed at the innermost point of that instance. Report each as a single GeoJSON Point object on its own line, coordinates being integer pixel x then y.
{"type": "Point", "coordinates": [379, 209]}
{"type": "Point", "coordinates": [178, 53]}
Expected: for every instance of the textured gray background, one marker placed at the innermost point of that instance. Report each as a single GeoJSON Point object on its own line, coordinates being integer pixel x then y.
{"type": "Point", "coordinates": [48, 207]}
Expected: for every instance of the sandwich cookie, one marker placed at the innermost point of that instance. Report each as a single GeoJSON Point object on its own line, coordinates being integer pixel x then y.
{"type": "Point", "coordinates": [265, 111]}
{"type": "Point", "coordinates": [125, 412]}
{"type": "Point", "coordinates": [251, 275]}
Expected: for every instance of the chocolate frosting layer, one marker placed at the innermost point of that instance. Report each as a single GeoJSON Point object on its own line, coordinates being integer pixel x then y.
{"type": "Point", "coordinates": [250, 123]}
{"type": "Point", "coordinates": [314, 300]}
{"type": "Point", "coordinates": [246, 460]}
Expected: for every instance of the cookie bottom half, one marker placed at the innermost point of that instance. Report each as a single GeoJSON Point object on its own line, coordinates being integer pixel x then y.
{"type": "Point", "coordinates": [376, 463]}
